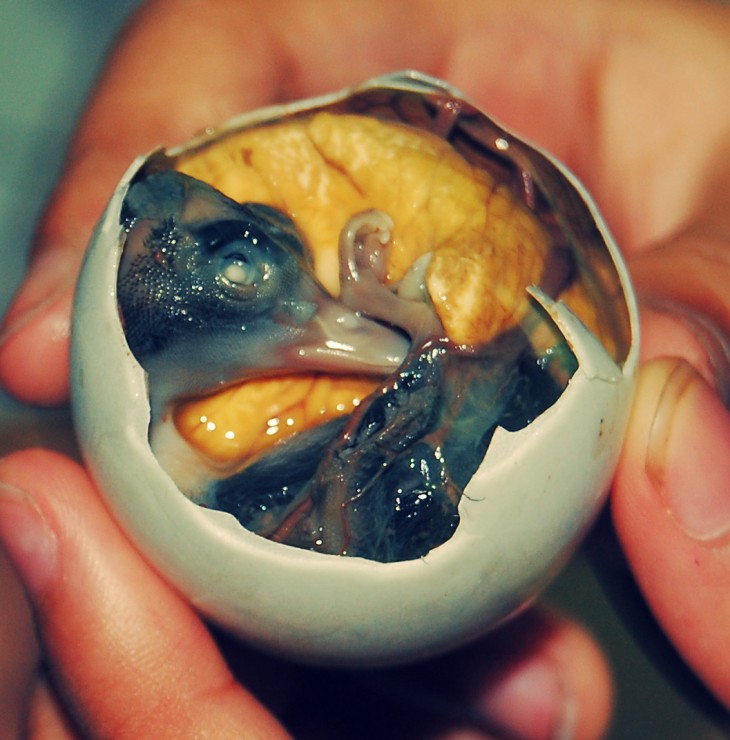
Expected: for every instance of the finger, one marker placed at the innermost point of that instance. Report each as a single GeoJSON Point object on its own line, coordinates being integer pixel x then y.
{"type": "Point", "coordinates": [670, 501]}
{"type": "Point", "coordinates": [130, 656]}
{"type": "Point", "coordinates": [19, 654]}
{"type": "Point", "coordinates": [688, 277]}
{"type": "Point", "coordinates": [540, 676]}
{"type": "Point", "coordinates": [171, 75]}
{"type": "Point", "coordinates": [672, 510]}
{"type": "Point", "coordinates": [573, 77]}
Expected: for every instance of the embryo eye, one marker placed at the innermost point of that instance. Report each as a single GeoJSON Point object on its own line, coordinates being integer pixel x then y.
{"type": "Point", "coordinates": [238, 273]}
{"type": "Point", "coordinates": [233, 250]}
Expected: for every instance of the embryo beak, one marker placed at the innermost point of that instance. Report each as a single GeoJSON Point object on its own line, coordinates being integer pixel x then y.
{"type": "Point", "coordinates": [339, 340]}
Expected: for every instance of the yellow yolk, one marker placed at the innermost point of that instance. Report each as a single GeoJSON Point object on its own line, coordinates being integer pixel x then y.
{"type": "Point", "coordinates": [240, 422]}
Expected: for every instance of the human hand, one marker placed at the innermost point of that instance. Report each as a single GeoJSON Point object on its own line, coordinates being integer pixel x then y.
{"type": "Point", "coordinates": [572, 76]}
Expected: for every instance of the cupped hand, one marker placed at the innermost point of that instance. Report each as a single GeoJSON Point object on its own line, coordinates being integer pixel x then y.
{"type": "Point", "coordinates": [128, 658]}
{"type": "Point", "coordinates": [633, 99]}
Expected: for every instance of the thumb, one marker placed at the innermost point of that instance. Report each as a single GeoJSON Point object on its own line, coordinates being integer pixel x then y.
{"type": "Point", "coordinates": [671, 506]}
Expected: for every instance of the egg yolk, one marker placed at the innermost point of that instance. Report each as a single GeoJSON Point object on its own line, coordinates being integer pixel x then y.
{"type": "Point", "coordinates": [239, 422]}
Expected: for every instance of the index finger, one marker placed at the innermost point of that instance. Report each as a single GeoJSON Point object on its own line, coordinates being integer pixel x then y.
{"type": "Point", "coordinates": [168, 76]}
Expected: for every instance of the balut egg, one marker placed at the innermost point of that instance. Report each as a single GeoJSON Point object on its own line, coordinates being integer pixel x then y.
{"type": "Point", "coordinates": [353, 373]}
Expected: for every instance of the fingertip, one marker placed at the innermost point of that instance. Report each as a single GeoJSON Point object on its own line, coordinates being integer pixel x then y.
{"type": "Point", "coordinates": [559, 686]}
{"type": "Point", "coordinates": [674, 459]}
{"type": "Point", "coordinates": [34, 351]}
{"type": "Point", "coordinates": [540, 676]}
{"type": "Point", "coordinates": [587, 676]}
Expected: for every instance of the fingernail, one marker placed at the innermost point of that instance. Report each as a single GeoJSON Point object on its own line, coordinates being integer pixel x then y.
{"type": "Point", "coordinates": [52, 274]}
{"type": "Point", "coordinates": [28, 541]}
{"type": "Point", "coordinates": [687, 455]}
{"type": "Point", "coordinates": [533, 702]}
{"type": "Point", "coordinates": [678, 331]}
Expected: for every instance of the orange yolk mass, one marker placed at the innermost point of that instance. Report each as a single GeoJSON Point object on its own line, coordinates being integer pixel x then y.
{"type": "Point", "coordinates": [240, 422]}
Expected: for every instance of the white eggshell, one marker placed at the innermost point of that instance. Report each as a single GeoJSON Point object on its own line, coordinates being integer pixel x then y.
{"type": "Point", "coordinates": [535, 493]}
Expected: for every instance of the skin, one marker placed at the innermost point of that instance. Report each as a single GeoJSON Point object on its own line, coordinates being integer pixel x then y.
{"type": "Point", "coordinates": [632, 96]}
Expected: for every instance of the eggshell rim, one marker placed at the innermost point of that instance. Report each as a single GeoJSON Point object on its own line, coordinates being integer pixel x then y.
{"type": "Point", "coordinates": [329, 609]}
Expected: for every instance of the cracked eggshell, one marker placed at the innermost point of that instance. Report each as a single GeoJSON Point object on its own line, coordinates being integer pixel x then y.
{"type": "Point", "coordinates": [534, 495]}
